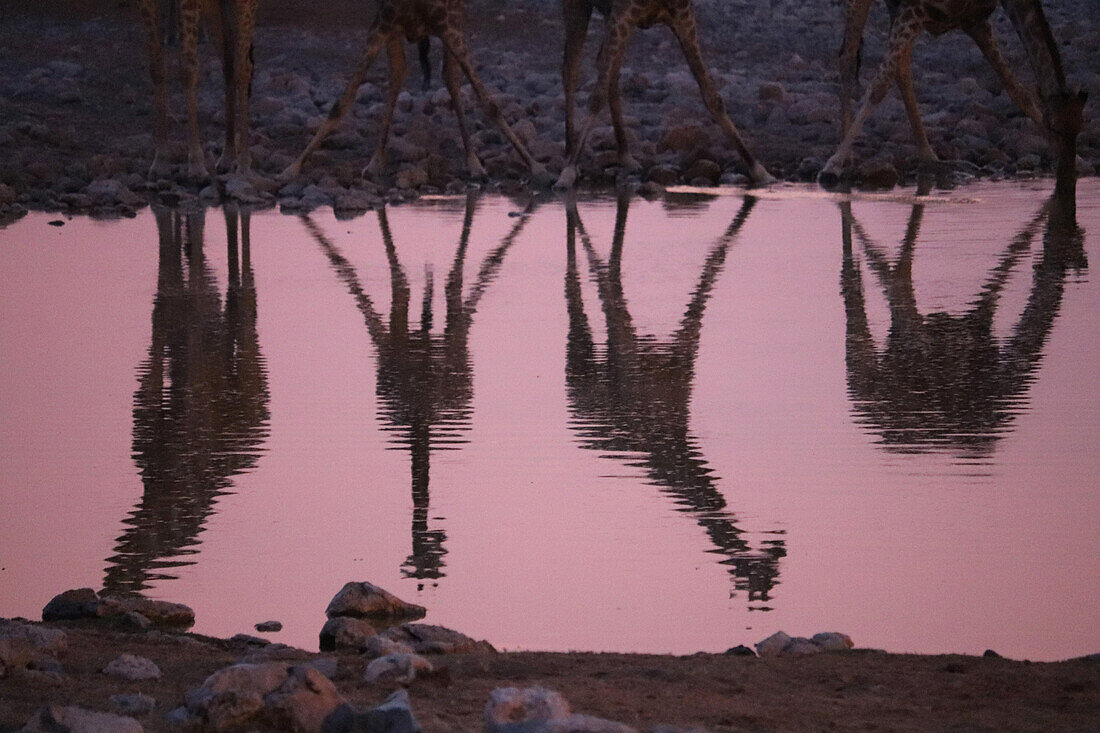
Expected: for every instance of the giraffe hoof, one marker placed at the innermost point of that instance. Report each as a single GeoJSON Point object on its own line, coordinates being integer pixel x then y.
{"type": "Point", "coordinates": [567, 178]}
{"type": "Point", "coordinates": [828, 177]}
{"type": "Point", "coordinates": [289, 173]}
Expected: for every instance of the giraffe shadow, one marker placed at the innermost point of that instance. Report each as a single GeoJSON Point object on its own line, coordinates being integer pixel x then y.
{"type": "Point", "coordinates": [630, 397]}
{"type": "Point", "coordinates": [201, 407]}
{"type": "Point", "coordinates": [943, 381]}
{"type": "Point", "coordinates": [425, 378]}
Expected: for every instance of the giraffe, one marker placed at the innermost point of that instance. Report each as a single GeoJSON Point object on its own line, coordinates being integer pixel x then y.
{"type": "Point", "coordinates": [623, 16]}
{"type": "Point", "coordinates": [943, 381]}
{"type": "Point", "coordinates": [416, 20]}
{"type": "Point", "coordinates": [201, 407]}
{"type": "Point", "coordinates": [233, 22]}
{"type": "Point", "coordinates": [1057, 108]}
{"type": "Point", "coordinates": [425, 378]}
{"type": "Point", "coordinates": [633, 396]}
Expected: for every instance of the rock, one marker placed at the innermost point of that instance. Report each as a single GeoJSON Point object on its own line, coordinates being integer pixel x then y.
{"type": "Point", "coordinates": [705, 169]}
{"type": "Point", "coordinates": [833, 641]}
{"type": "Point", "coordinates": [663, 175]}
{"type": "Point", "coordinates": [159, 613]}
{"type": "Point", "coordinates": [15, 653]}
{"type": "Point", "coordinates": [380, 646]}
{"type": "Point", "coordinates": [327, 666]}
{"type": "Point", "coordinates": [741, 651]}
{"type": "Point", "coordinates": [773, 645]}
{"type": "Point", "coordinates": [249, 639]}
{"type": "Point", "coordinates": [990, 654]}
{"type": "Point", "coordinates": [510, 707]}
{"type": "Point", "coordinates": [800, 646]}
{"type": "Point", "coordinates": [134, 620]}
{"type": "Point", "coordinates": [314, 196]}
{"type": "Point", "coordinates": [269, 626]}
{"type": "Point", "coordinates": [431, 639]}
{"type": "Point", "coordinates": [240, 189]}
{"type": "Point", "coordinates": [72, 719]}
{"type": "Point", "coordinates": [135, 704]}
{"type": "Point", "coordinates": [411, 178]}
{"type": "Point", "coordinates": [366, 600]}
{"type": "Point", "coordinates": [302, 702]}
{"type": "Point", "coordinates": [7, 194]}
{"type": "Point", "coordinates": [395, 715]}
{"type": "Point", "coordinates": [108, 191]}
{"type": "Point", "coordinates": [400, 668]}
{"type": "Point", "coordinates": [684, 139]}
{"type": "Point", "coordinates": [42, 638]}
{"type": "Point", "coordinates": [878, 174]}
{"type": "Point", "coordinates": [130, 667]}
{"type": "Point", "coordinates": [345, 632]}
{"type": "Point", "coordinates": [770, 92]}
{"type": "Point", "coordinates": [233, 695]}
{"type": "Point", "coordinates": [72, 604]}
{"type": "Point", "coordinates": [539, 710]}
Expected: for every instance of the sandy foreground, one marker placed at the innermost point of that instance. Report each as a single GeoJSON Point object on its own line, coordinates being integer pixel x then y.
{"type": "Point", "coordinates": [854, 690]}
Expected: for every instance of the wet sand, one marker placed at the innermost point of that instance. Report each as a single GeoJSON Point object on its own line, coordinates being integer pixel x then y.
{"type": "Point", "coordinates": [77, 105]}
{"type": "Point", "coordinates": [856, 690]}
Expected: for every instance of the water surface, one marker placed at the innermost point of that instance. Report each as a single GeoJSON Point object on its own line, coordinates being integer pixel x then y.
{"type": "Point", "coordinates": [627, 425]}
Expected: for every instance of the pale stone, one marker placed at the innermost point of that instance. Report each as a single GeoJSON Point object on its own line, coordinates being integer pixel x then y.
{"type": "Point", "coordinates": [72, 719]}
{"type": "Point", "coordinates": [773, 645]}
{"type": "Point", "coordinates": [130, 667]}
{"type": "Point", "coordinates": [344, 632]}
{"type": "Point", "coordinates": [366, 600]}
{"type": "Point", "coordinates": [302, 702]}
{"type": "Point", "coordinates": [401, 668]}
{"type": "Point", "coordinates": [431, 639]}
{"type": "Point", "coordinates": [833, 641]}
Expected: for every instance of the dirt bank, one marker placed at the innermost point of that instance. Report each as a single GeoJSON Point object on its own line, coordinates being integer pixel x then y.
{"type": "Point", "coordinates": [76, 103]}
{"type": "Point", "coordinates": [857, 690]}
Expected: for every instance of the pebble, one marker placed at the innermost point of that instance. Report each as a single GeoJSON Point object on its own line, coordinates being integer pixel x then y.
{"type": "Point", "coordinates": [269, 626]}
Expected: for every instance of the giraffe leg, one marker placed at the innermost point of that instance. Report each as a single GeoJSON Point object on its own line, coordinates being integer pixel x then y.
{"type": "Point", "coordinates": [684, 28]}
{"type": "Point", "coordinates": [615, 104]}
{"type": "Point", "coordinates": [610, 56]}
{"type": "Point", "coordinates": [576, 15]}
{"type": "Point", "coordinates": [854, 22]}
{"type": "Point", "coordinates": [189, 15]}
{"type": "Point", "coordinates": [455, 45]}
{"type": "Point", "coordinates": [399, 72]}
{"type": "Point", "coordinates": [912, 109]}
{"type": "Point", "coordinates": [246, 23]}
{"type": "Point", "coordinates": [155, 47]}
{"type": "Point", "coordinates": [903, 34]}
{"type": "Point", "coordinates": [452, 74]}
{"type": "Point", "coordinates": [224, 40]}
{"type": "Point", "coordinates": [1025, 100]}
{"type": "Point", "coordinates": [342, 105]}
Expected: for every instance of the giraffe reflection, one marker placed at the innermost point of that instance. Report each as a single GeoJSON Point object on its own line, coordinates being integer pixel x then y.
{"type": "Point", "coordinates": [633, 396]}
{"type": "Point", "coordinates": [425, 380]}
{"type": "Point", "coordinates": [200, 410]}
{"type": "Point", "coordinates": [945, 381]}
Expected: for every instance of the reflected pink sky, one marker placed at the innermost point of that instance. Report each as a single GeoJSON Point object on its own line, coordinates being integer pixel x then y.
{"type": "Point", "coordinates": [549, 545]}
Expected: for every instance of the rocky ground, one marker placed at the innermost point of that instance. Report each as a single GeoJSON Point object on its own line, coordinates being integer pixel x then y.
{"type": "Point", "coordinates": [121, 665]}
{"type": "Point", "coordinates": [75, 133]}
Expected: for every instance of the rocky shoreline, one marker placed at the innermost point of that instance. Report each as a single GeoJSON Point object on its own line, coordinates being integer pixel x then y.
{"type": "Point", "coordinates": [76, 134]}
{"type": "Point", "coordinates": [107, 664]}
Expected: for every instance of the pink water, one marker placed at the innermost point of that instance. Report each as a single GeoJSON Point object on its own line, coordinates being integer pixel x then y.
{"type": "Point", "coordinates": [256, 431]}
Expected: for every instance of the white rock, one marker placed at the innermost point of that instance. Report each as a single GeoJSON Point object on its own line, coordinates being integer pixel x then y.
{"type": "Point", "coordinates": [773, 645]}
{"type": "Point", "coordinates": [129, 667]}
{"type": "Point", "coordinates": [72, 719]}
{"type": "Point", "coordinates": [833, 641]}
{"type": "Point", "coordinates": [401, 668]}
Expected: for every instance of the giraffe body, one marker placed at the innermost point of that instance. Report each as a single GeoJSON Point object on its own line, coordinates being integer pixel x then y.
{"type": "Point", "coordinates": [233, 22]}
{"type": "Point", "coordinates": [415, 20]}
{"type": "Point", "coordinates": [1055, 108]}
{"type": "Point", "coordinates": [623, 16]}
